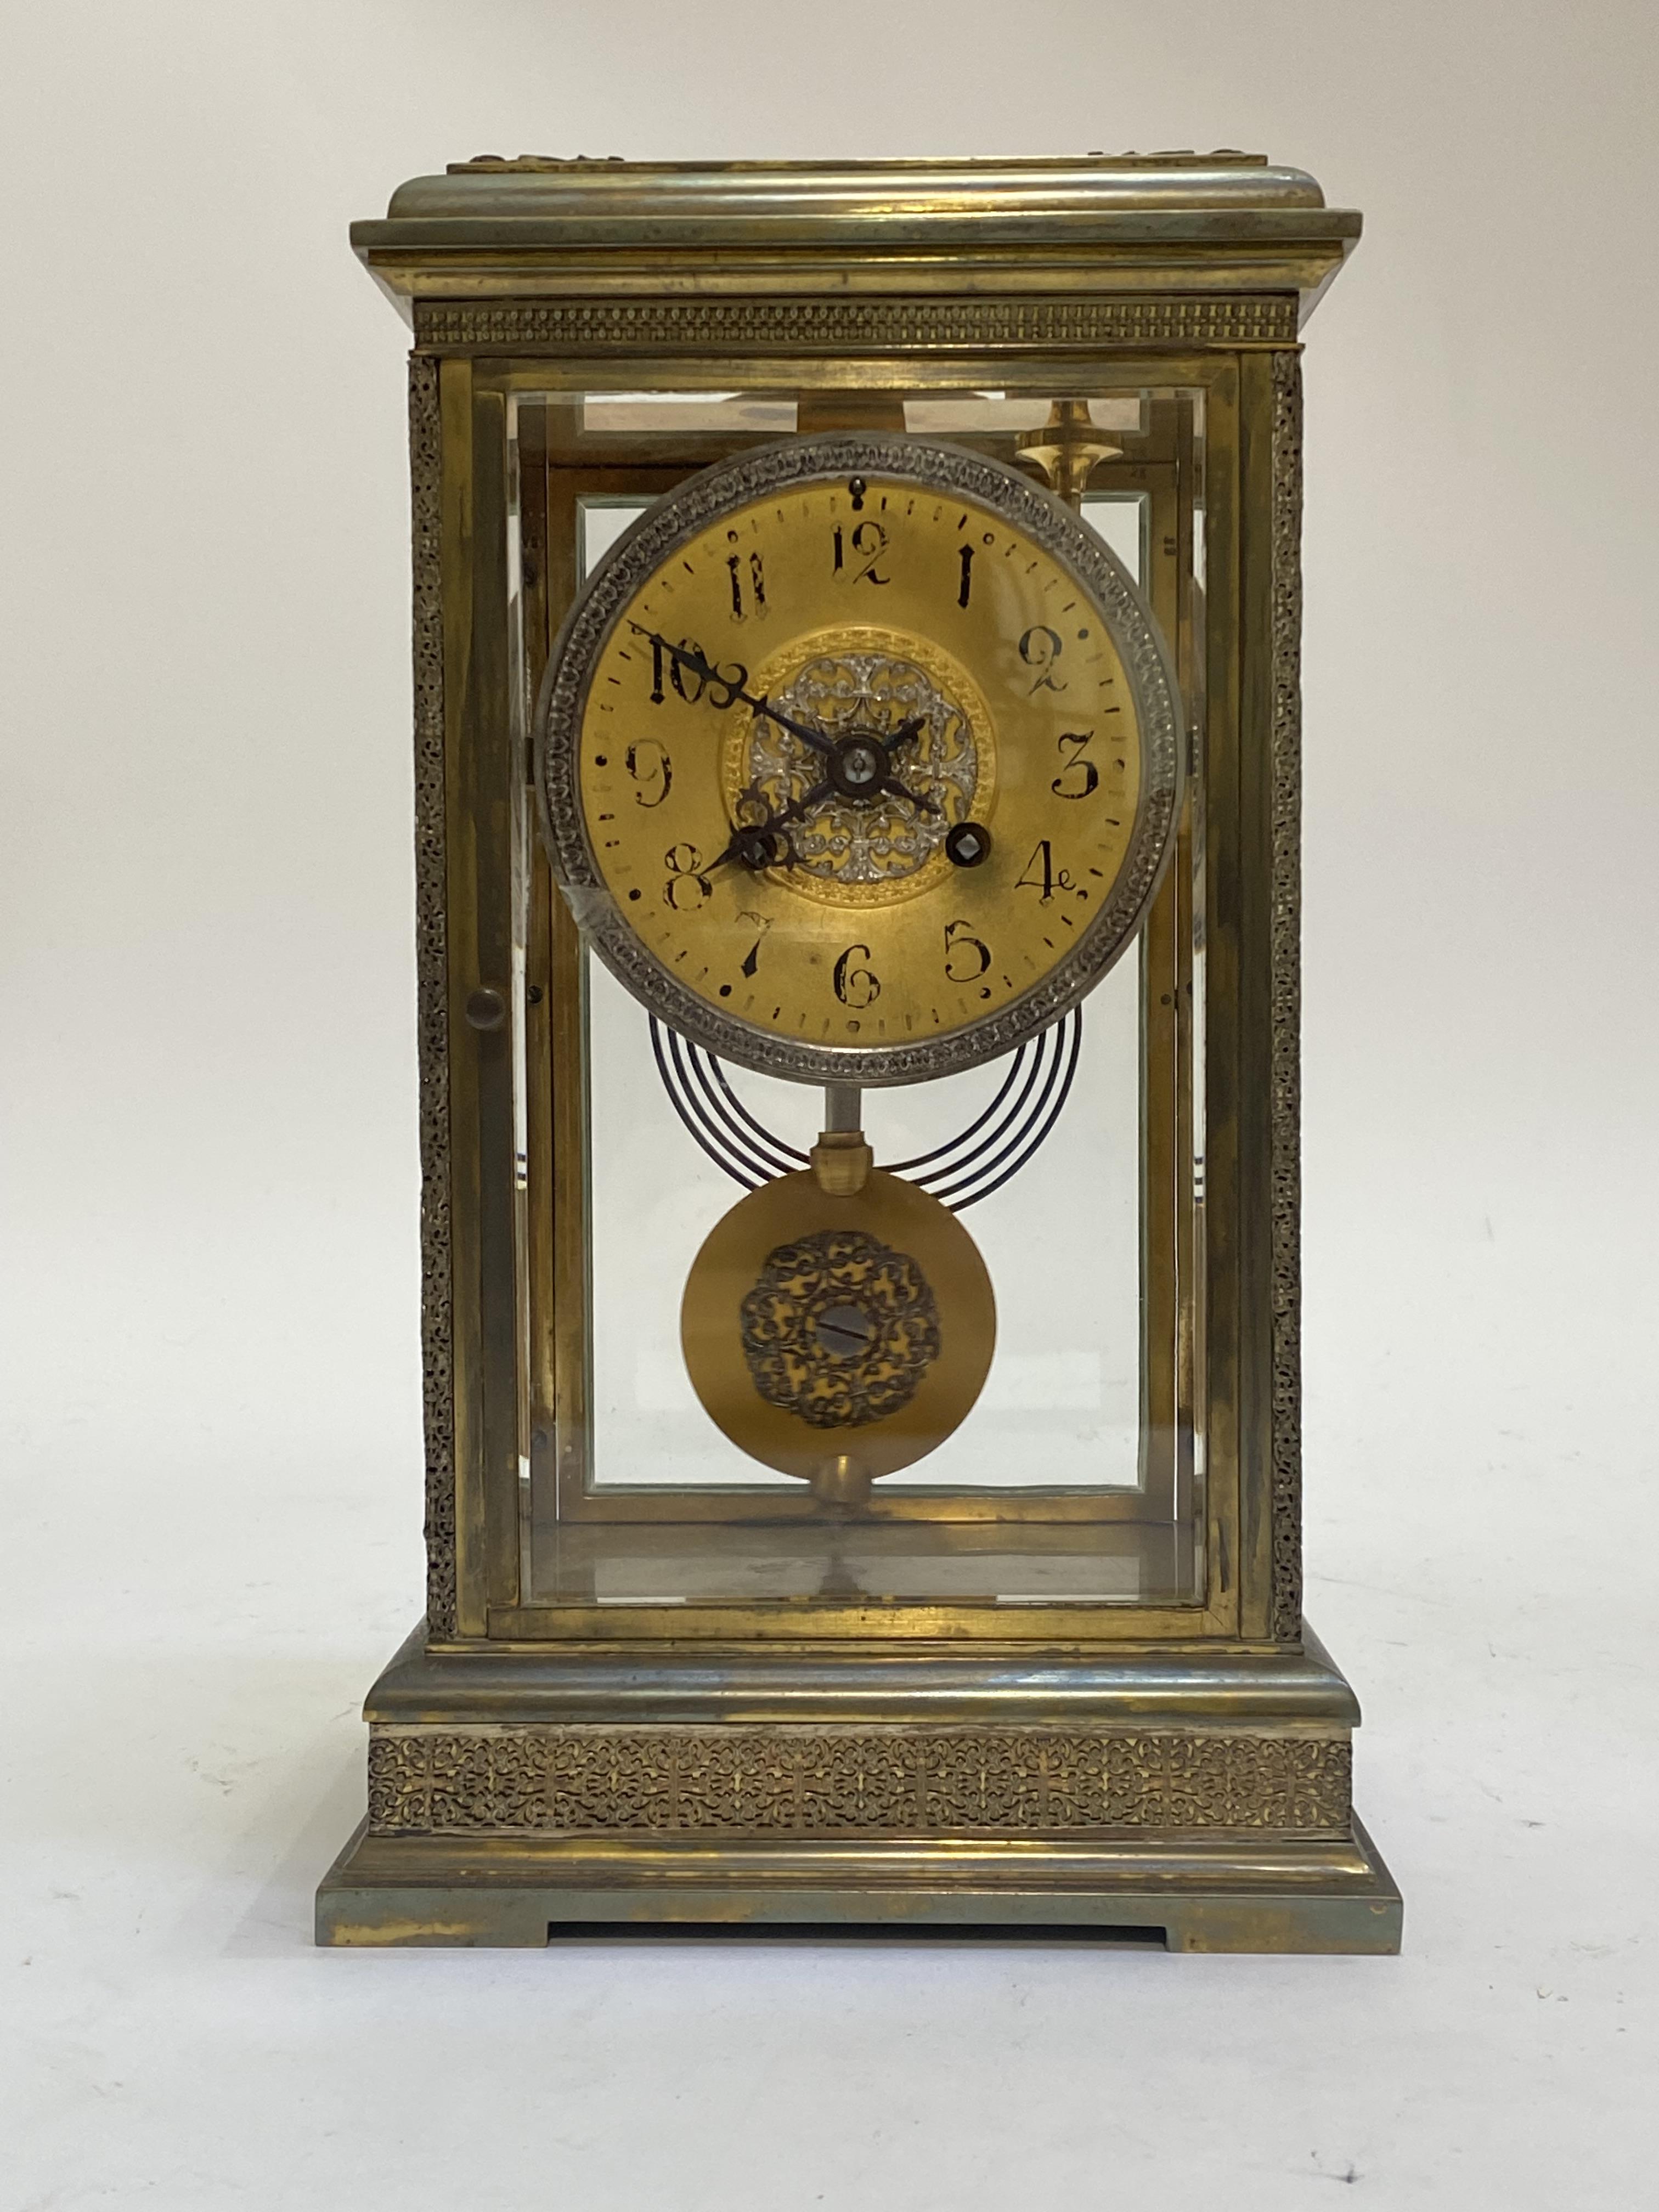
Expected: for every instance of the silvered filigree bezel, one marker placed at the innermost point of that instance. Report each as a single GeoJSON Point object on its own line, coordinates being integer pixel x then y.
{"type": "Point", "coordinates": [708, 497]}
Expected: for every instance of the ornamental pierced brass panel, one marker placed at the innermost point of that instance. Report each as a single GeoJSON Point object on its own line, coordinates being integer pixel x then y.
{"type": "Point", "coordinates": [899, 1782]}
{"type": "Point", "coordinates": [854, 325]}
{"type": "Point", "coordinates": [1285, 955]}
{"type": "Point", "coordinates": [432, 987]}
{"type": "Point", "coordinates": [839, 1329]}
{"type": "Point", "coordinates": [856, 853]}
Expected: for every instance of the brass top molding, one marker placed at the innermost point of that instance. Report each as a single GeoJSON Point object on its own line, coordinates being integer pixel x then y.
{"type": "Point", "coordinates": [830, 199]}
{"type": "Point", "coordinates": [537, 223]}
{"type": "Point", "coordinates": [1184, 157]}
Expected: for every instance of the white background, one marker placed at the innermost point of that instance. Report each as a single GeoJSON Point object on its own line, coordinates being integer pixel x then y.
{"type": "Point", "coordinates": [210, 1412]}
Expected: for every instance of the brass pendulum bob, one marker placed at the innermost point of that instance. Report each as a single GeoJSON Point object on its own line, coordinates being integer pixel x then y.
{"type": "Point", "coordinates": [838, 1322]}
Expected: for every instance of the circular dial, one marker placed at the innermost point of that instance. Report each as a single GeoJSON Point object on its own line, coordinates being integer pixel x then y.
{"type": "Point", "coordinates": [860, 759]}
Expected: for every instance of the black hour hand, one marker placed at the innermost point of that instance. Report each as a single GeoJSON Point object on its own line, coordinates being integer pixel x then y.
{"type": "Point", "coordinates": [766, 843]}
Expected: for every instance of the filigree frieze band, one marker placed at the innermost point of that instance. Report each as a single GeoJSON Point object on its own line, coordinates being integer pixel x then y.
{"type": "Point", "coordinates": [1287, 958]}
{"type": "Point", "coordinates": [828, 1781]}
{"type": "Point", "coordinates": [432, 995]}
{"type": "Point", "coordinates": [869, 325]}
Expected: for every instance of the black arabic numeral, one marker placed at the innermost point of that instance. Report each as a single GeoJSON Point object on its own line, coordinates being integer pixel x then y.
{"type": "Point", "coordinates": [761, 923]}
{"type": "Point", "coordinates": [966, 557]}
{"type": "Point", "coordinates": [757, 585]}
{"type": "Point", "coordinates": [1043, 877]}
{"type": "Point", "coordinates": [687, 886]}
{"type": "Point", "coordinates": [687, 659]}
{"type": "Point", "coordinates": [1039, 648]}
{"type": "Point", "coordinates": [856, 986]}
{"type": "Point", "coordinates": [651, 769]}
{"type": "Point", "coordinates": [1074, 745]}
{"type": "Point", "coordinates": [960, 940]}
{"type": "Point", "coordinates": [724, 679]}
{"type": "Point", "coordinates": [865, 543]}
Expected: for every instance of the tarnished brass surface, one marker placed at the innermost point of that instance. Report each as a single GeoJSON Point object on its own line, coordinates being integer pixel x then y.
{"type": "Point", "coordinates": [827, 340]}
{"type": "Point", "coordinates": [1184, 1889]}
{"type": "Point", "coordinates": [433, 991]}
{"type": "Point", "coordinates": [1201, 1791]}
{"type": "Point", "coordinates": [1068, 448]}
{"type": "Point", "coordinates": [843, 1752]}
{"type": "Point", "coordinates": [1165, 1683]}
{"type": "Point", "coordinates": [1284, 1167]}
{"type": "Point", "coordinates": [828, 198]}
{"type": "Point", "coordinates": [841, 1162]}
{"type": "Point", "coordinates": [486, 1898]}
{"type": "Point", "coordinates": [755, 1309]}
{"type": "Point", "coordinates": [1198, 225]}
{"type": "Point", "coordinates": [910, 1781]}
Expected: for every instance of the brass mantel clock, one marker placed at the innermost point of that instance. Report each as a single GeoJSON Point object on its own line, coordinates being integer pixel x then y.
{"type": "Point", "coordinates": [857, 746]}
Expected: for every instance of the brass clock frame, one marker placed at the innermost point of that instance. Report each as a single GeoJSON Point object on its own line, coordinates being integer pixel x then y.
{"type": "Point", "coordinates": [728, 489]}
{"type": "Point", "coordinates": [1180, 1768]}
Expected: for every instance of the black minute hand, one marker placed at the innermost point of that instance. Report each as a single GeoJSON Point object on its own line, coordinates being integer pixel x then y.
{"type": "Point", "coordinates": [699, 666]}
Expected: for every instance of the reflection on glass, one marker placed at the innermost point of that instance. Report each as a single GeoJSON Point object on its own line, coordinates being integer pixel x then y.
{"type": "Point", "coordinates": [957, 414]}
{"type": "Point", "coordinates": [1121, 518]}
{"type": "Point", "coordinates": [686, 410]}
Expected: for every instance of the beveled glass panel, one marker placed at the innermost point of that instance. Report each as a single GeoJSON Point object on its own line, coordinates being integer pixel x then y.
{"type": "Point", "coordinates": [1076, 1478]}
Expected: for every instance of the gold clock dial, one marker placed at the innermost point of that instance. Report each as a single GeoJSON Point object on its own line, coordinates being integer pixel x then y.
{"type": "Point", "coordinates": [869, 763]}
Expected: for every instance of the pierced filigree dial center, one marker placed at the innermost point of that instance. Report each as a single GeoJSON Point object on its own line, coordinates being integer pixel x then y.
{"type": "Point", "coordinates": [911, 755]}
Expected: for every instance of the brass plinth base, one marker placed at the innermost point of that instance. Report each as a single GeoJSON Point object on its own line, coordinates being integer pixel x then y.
{"type": "Point", "coordinates": [1244, 1896]}
{"type": "Point", "coordinates": [1198, 1799]}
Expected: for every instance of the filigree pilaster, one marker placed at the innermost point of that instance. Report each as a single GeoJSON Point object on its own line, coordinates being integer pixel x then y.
{"type": "Point", "coordinates": [1286, 774]}
{"type": "Point", "coordinates": [432, 987]}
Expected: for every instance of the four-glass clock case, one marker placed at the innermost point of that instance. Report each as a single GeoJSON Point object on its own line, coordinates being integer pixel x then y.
{"type": "Point", "coordinates": [1053, 1669]}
